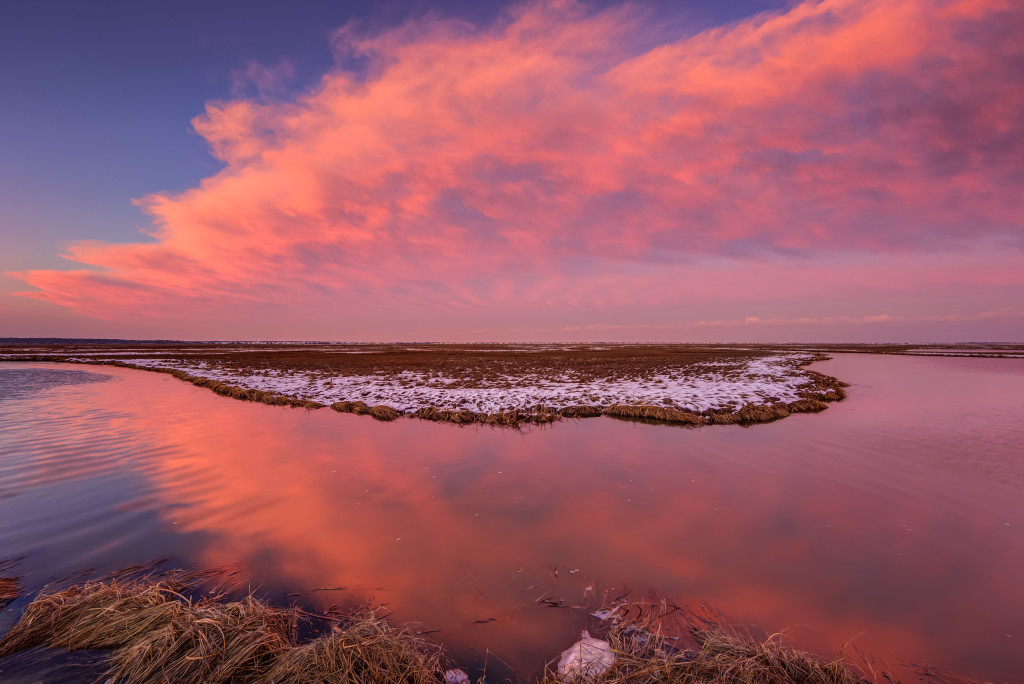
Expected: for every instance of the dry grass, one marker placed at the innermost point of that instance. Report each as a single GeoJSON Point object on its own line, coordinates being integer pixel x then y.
{"type": "Point", "coordinates": [719, 654]}
{"type": "Point", "coordinates": [367, 649]}
{"type": "Point", "coordinates": [668, 415]}
{"type": "Point", "coordinates": [356, 407]}
{"type": "Point", "coordinates": [207, 642]}
{"type": "Point", "coordinates": [385, 413]}
{"type": "Point", "coordinates": [581, 411]}
{"type": "Point", "coordinates": [380, 412]}
{"type": "Point", "coordinates": [9, 590]}
{"type": "Point", "coordinates": [721, 658]}
{"type": "Point", "coordinates": [433, 413]}
{"type": "Point", "coordinates": [102, 615]}
{"type": "Point", "coordinates": [516, 417]}
{"type": "Point", "coordinates": [226, 390]}
{"type": "Point", "coordinates": [158, 635]}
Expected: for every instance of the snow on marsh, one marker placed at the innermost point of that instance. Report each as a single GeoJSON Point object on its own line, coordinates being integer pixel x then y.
{"type": "Point", "coordinates": [708, 385]}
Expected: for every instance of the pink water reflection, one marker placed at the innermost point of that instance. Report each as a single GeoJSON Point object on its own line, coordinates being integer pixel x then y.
{"type": "Point", "coordinates": [892, 518]}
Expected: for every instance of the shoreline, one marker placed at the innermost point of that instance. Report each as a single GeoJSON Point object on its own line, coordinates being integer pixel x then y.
{"type": "Point", "coordinates": [162, 627]}
{"type": "Point", "coordinates": [680, 385]}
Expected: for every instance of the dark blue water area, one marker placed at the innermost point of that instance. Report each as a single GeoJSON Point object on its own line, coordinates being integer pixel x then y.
{"type": "Point", "coordinates": [25, 383]}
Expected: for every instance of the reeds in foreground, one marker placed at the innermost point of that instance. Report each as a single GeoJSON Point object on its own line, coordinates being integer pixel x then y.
{"type": "Point", "coordinates": [158, 635]}
{"type": "Point", "coordinates": [207, 642]}
{"type": "Point", "coordinates": [722, 656]}
{"type": "Point", "coordinates": [367, 649]}
{"type": "Point", "coordinates": [9, 590]}
{"type": "Point", "coordinates": [104, 615]}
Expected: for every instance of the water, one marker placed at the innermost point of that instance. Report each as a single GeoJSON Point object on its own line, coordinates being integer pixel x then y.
{"type": "Point", "coordinates": [892, 519]}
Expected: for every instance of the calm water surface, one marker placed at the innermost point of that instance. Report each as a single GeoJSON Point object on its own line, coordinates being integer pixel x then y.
{"type": "Point", "coordinates": [893, 519]}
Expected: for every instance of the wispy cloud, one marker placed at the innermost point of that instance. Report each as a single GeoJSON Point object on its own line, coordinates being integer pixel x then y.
{"type": "Point", "coordinates": [266, 80]}
{"type": "Point", "coordinates": [552, 162]}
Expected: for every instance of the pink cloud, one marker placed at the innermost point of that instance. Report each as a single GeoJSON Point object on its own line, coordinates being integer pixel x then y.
{"type": "Point", "coordinates": [552, 162]}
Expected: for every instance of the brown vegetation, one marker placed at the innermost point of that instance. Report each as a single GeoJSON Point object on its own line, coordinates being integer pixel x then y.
{"type": "Point", "coordinates": [580, 411]}
{"type": "Point", "coordinates": [94, 615]}
{"type": "Point", "coordinates": [471, 366]}
{"type": "Point", "coordinates": [366, 649]}
{"type": "Point", "coordinates": [721, 657]}
{"type": "Point", "coordinates": [158, 635]}
{"type": "Point", "coordinates": [226, 390]}
{"type": "Point", "coordinates": [9, 590]}
{"type": "Point", "coordinates": [669, 415]}
{"type": "Point", "coordinates": [356, 407]}
{"type": "Point", "coordinates": [385, 413]}
{"type": "Point", "coordinates": [655, 642]}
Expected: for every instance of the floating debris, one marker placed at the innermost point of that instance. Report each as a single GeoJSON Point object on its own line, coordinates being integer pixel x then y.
{"type": "Point", "coordinates": [456, 677]}
{"type": "Point", "coordinates": [586, 660]}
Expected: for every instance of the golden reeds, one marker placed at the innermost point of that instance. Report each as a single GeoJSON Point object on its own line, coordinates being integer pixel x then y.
{"type": "Point", "coordinates": [721, 658]}
{"type": "Point", "coordinates": [380, 412]}
{"type": "Point", "coordinates": [643, 655]}
{"type": "Point", "coordinates": [580, 411]}
{"type": "Point", "coordinates": [208, 641]}
{"type": "Point", "coordinates": [357, 407]}
{"type": "Point", "coordinates": [385, 413]}
{"type": "Point", "coordinates": [156, 635]}
{"type": "Point", "coordinates": [366, 649]}
{"type": "Point", "coordinates": [9, 590]}
{"type": "Point", "coordinates": [669, 415]}
{"type": "Point", "coordinates": [94, 615]}
{"type": "Point", "coordinates": [461, 417]}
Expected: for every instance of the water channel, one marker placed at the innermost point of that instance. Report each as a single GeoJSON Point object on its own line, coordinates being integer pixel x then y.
{"type": "Point", "coordinates": [893, 519]}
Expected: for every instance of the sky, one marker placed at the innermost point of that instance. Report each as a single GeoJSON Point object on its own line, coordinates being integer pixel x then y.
{"type": "Point", "coordinates": [688, 171]}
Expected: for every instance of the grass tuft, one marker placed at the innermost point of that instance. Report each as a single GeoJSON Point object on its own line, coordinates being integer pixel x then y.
{"type": "Point", "coordinates": [206, 642]}
{"type": "Point", "coordinates": [721, 656]}
{"type": "Point", "coordinates": [385, 413]}
{"type": "Point", "coordinates": [367, 649]}
{"type": "Point", "coordinates": [157, 635]}
{"type": "Point", "coordinates": [668, 415]}
{"type": "Point", "coordinates": [94, 615]}
{"type": "Point", "coordinates": [357, 407]}
{"type": "Point", "coordinates": [581, 411]}
{"type": "Point", "coordinates": [9, 590]}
